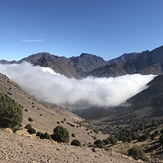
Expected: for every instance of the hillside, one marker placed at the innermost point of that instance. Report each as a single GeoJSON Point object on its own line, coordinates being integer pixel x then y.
{"type": "Point", "coordinates": [21, 146]}
{"type": "Point", "coordinates": [45, 116]}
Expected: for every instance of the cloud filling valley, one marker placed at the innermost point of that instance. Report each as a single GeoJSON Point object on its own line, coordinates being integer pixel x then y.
{"type": "Point", "coordinates": [47, 85]}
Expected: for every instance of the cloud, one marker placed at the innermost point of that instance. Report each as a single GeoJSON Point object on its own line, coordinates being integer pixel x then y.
{"type": "Point", "coordinates": [44, 83]}
{"type": "Point", "coordinates": [31, 41]}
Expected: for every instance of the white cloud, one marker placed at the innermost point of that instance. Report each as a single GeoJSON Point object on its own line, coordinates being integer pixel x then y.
{"type": "Point", "coordinates": [33, 40]}
{"type": "Point", "coordinates": [52, 87]}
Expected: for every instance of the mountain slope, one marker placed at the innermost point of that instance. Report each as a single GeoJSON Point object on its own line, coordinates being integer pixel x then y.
{"type": "Point", "coordinates": [45, 116]}
{"type": "Point", "coordinates": [122, 58]}
{"type": "Point", "coordinates": [58, 64]}
{"type": "Point", "coordinates": [147, 62]}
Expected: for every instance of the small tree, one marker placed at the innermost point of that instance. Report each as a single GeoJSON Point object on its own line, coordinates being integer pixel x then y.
{"type": "Point", "coordinates": [11, 112]}
{"type": "Point", "coordinates": [60, 134]}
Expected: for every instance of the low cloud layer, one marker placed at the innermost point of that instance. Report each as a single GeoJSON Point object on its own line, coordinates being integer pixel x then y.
{"type": "Point", "coordinates": [44, 83]}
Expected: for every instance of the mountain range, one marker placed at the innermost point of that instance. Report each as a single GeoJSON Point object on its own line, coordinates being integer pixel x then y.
{"type": "Point", "coordinates": [146, 62]}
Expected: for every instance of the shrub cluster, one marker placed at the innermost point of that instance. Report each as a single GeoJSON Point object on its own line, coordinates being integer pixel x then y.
{"type": "Point", "coordinates": [126, 135]}
{"type": "Point", "coordinates": [43, 135]}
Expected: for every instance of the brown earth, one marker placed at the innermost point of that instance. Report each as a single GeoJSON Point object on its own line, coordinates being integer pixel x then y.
{"type": "Point", "coordinates": [27, 149]}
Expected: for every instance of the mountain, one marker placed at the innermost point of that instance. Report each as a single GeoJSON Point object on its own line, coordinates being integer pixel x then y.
{"type": "Point", "coordinates": [146, 62]}
{"type": "Point", "coordinates": [122, 58]}
{"type": "Point", "coordinates": [75, 67]}
{"type": "Point", "coordinates": [58, 64]}
{"type": "Point", "coordinates": [86, 63]}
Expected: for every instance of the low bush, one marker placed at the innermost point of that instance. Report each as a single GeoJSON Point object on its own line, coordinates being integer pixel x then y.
{"type": "Point", "coordinates": [30, 119]}
{"type": "Point", "coordinates": [39, 134]}
{"type": "Point", "coordinates": [73, 135]}
{"type": "Point", "coordinates": [137, 153]}
{"type": "Point", "coordinates": [43, 135]}
{"type": "Point", "coordinates": [31, 131]}
{"type": "Point", "coordinates": [112, 140]}
{"type": "Point", "coordinates": [76, 142]}
{"type": "Point", "coordinates": [60, 134]}
{"type": "Point", "coordinates": [47, 136]}
{"type": "Point", "coordinates": [99, 143]}
{"type": "Point", "coordinates": [28, 126]}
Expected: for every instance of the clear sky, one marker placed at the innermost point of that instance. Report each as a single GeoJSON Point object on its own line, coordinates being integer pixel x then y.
{"type": "Point", "coordinates": [107, 28]}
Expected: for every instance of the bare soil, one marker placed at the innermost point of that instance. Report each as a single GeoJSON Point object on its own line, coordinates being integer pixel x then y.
{"type": "Point", "coordinates": [17, 148]}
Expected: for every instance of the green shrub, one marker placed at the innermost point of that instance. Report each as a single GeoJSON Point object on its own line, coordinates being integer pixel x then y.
{"type": "Point", "coordinates": [30, 119]}
{"type": "Point", "coordinates": [76, 142]}
{"type": "Point", "coordinates": [47, 136]}
{"type": "Point", "coordinates": [106, 141]}
{"type": "Point", "coordinates": [31, 131]}
{"type": "Point", "coordinates": [73, 135]}
{"type": "Point", "coordinates": [112, 140]}
{"type": "Point", "coordinates": [43, 135]}
{"type": "Point", "coordinates": [137, 153]}
{"type": "Point", "coordinates": [60, 134]}
{"type": "Point", "coordinates": [39, 134]}
{"type": "Point", "coordinates": [11, 112]}
{"type": "Point", "coordinates": [99, 143]}
{"type": "Point", "coordinates": [28, 126]}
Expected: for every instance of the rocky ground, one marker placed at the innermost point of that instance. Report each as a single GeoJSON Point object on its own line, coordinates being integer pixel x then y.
{"type": "Point", "coordinates": [17, 148]}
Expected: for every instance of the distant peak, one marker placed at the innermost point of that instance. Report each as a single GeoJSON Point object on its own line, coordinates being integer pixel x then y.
{"type": "Point", "coordinates": [86, 54]}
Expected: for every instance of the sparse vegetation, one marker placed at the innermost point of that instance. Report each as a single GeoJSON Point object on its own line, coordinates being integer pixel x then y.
{"type": "Point", "coordinates": [60, 134]}
{"type": "Point", "coordinates": [10, 112]}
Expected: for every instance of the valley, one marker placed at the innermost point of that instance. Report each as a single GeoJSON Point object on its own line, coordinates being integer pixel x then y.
{"type": "Point", "coordinates": [105, 132]}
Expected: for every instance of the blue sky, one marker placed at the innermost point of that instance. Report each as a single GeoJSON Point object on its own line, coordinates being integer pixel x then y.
{"type": "Point", "coordinates": [107, 28]}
